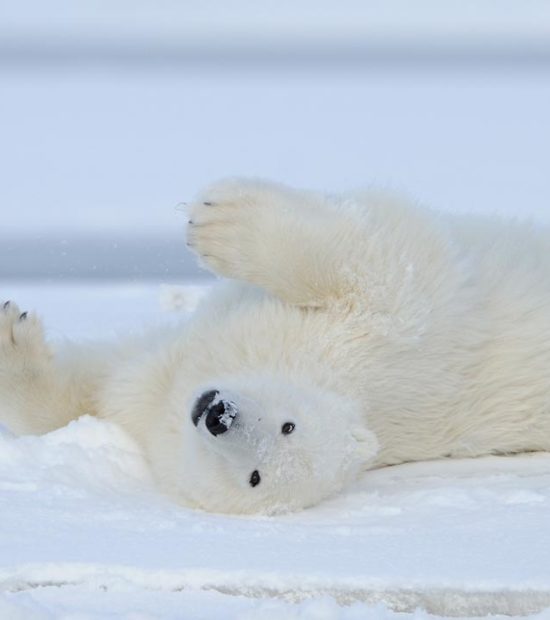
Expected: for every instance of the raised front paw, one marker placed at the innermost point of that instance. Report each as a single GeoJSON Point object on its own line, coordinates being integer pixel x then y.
{"type": "Point", "coordinates": [26, 372]}
{"type": "Point", "coordinates": [22, 340]}
{"type": "Point", "coordinates": [233, 224]}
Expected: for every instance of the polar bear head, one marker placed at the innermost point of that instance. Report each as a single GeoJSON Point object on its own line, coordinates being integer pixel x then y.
{"type": "Point", "coordinates": [264, 444]}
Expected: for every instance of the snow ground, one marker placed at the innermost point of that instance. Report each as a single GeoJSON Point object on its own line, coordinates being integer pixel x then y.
{"type": "Point", "coordinates": [85, 535]}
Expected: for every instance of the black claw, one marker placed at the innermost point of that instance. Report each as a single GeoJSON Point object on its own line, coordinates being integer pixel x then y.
{"type": "Point", "coordinates": [190, 221]}
{"type": "Point", "coordinates": [6, 304]}
{"type": "Point", "coordinates": [207, 204]}
{"type": "Point", "coordinates": [23, 316]}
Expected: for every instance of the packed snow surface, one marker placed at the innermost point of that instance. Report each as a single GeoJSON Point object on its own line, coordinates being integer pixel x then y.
{"type": "Point", "coordinates": [84, 533]}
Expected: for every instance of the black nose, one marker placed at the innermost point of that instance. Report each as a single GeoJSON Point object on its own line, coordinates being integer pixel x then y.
{"type": "Point", "coordinates": [219, 412]}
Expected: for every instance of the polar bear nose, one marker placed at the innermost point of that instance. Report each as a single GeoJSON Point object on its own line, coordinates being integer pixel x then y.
{"type": "Point", "coordinates": [219, 413]}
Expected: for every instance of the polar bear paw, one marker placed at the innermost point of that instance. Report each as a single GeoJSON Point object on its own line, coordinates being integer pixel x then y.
{"type": "Point", "coordinates": [232, 224]}
{"type": "Point", "coordinates": [22, 342]}
{"type": "Point", "coordinates": [26, 371]}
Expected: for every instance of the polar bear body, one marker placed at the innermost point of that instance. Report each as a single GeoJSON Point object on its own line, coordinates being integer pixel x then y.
{"type": "Point", "coordinates": [377, 331]}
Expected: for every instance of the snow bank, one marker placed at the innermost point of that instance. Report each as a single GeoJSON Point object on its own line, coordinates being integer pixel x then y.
{"type": "Point", "coordinates": [82, 604]}
{"type": "Point", "coordinates": [88, 455]}
{"type": "Point", "coordinates": [82, 521]}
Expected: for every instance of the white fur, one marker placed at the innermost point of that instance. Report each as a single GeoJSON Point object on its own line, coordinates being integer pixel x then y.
{"type": "Point", "coordinates": [384, 331]}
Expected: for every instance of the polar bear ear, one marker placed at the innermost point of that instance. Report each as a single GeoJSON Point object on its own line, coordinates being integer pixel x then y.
{"type": "Point", "coordinates": [367, 443]}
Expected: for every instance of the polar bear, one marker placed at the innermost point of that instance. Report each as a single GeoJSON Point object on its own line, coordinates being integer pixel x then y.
{"type": "Point", "coordinates": [352, 332]}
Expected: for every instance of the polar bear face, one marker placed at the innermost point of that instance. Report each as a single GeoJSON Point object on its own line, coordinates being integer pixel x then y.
{"type": "Point", "coordinates": [262, 444]}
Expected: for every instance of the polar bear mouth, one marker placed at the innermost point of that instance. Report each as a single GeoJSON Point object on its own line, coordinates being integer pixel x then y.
{"type": "Point", "coordinates": [217, 412]}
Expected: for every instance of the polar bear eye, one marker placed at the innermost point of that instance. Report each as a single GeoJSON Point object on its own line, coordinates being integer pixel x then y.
{"type": "Point", "coordinates": [287, 428]}
{"type": "Point", "coordinates": [255, 478]}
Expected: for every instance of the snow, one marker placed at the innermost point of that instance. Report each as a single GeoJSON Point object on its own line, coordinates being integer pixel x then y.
{"type": "Point", "coordinates": [84, 533]}
{"type": "Point", "coordinates": [229, 409]}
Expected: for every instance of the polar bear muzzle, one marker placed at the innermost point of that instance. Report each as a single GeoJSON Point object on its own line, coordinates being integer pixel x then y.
{"type": "Point", "coordinates": [218, 413]}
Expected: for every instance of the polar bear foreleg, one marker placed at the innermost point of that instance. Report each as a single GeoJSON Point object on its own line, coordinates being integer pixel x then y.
{"type": "Point", "coordinates": [37, 393]}
{"type": "Point", "coordinates": [312, 250]}
{"type": "Point", "coordinates": [282, 240]}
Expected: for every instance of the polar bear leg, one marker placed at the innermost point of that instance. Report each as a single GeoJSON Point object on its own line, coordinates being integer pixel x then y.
{"type": "Point", "coordinates": [280, 239]}
{"type": "Point", "coordinates": [35, 395]}
{"type": "Point", "coordinates": [310, 249]}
